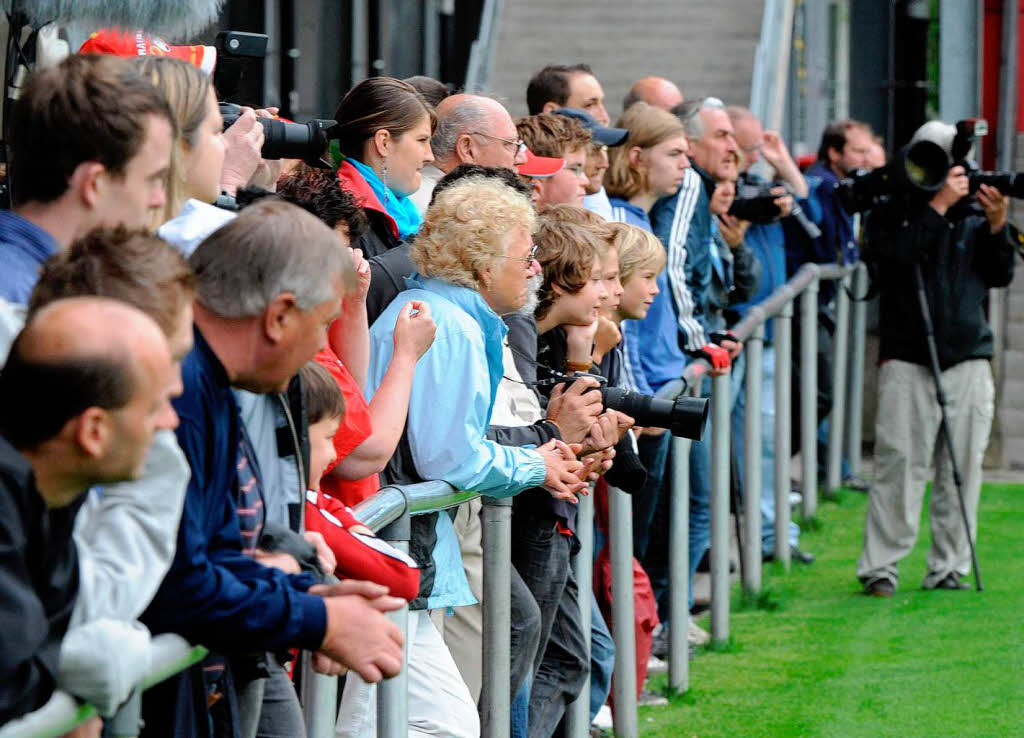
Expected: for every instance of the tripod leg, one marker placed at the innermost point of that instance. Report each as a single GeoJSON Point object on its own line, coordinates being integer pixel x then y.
{"type": "Point", "coordinates": [944, 432]}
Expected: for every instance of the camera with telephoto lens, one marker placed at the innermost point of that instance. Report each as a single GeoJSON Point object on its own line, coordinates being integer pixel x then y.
{"type": "Point", "coordinates": [285, 140]}
{"type": "Point", "coordinates": [917, 171]}
{"type": "Point", "coordinates": [684, 417]}
{"type": "Point", "coordinates": [968, 131]}
{"type": "Point", "coordinates": [756, 203]}
{"type": "Point", "coordinates": [281, 139]}
{"type": "Point", "coordinates": [759, 208]}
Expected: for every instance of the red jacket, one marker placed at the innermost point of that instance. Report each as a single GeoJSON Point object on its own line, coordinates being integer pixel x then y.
{"type": "Point", "coordinates": [360, 556]}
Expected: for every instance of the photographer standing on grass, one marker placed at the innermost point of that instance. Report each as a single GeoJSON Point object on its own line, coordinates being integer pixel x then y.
{"type": "Point", "coordinates": [962, 252]}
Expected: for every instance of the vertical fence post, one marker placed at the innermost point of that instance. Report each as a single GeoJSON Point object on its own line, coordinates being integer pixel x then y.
{"type": "Point", "coordinates": [783, 418]}
{"type": "Point", "coordinates": [840, 359]}
{"type": "Point", "coordinates": [393, 694]}
{"type": "Point", "coordinates": [752, 431]}
{"type": "Point", "coordinates": [319, 697]}
{"type": "Point", "coordinates": [855, 403]}
{"type": "Point", "coordinates": [720, 508]}
{"type": "Point", "coordinates": [620, 525]}
{"type": "Point", "coordinates": [578, 713]}
{"type": "Point", "coordinates": [679, 567]}
{"type": "Point", "coordinates": [809, 396]}
{"type": "Point", "coordinates": [496, 521]}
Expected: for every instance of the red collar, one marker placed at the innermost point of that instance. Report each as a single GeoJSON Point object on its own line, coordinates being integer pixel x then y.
{"type": "Point", "coordinates": [356, 185]}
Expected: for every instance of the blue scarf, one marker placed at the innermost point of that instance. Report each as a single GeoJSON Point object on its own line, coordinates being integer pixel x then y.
{"type": "Point", "coordinates": [407, 217]}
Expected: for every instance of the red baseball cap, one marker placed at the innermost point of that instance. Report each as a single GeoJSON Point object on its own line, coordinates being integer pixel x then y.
{"type": "Point", "coordinates": [540, 166]}
{"type": "Point", "coordinates": [137, 43]}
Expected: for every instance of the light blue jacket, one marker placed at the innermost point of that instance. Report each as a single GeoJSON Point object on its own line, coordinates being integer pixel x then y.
{"type": "Point", "coordinates": [453, 391]}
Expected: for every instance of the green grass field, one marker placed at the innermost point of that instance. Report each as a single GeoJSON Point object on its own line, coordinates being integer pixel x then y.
{"type": "Point", "coordinates": [831, 662]}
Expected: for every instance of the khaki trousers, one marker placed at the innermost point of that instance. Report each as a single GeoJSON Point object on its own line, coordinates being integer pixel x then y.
{"type": "Point", "coordinates": [909, 449]}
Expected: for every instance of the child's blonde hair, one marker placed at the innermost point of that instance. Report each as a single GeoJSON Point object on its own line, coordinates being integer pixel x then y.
{"type": "Point", "coordinates": [638, 249]}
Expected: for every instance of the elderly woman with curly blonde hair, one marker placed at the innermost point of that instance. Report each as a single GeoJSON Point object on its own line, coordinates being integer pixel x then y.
{"type": "Point", "coordinates": [474, 254]}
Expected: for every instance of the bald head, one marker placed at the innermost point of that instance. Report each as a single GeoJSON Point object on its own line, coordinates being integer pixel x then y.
{"type": "Point", "coordinates": [89, 378]}
{"type": "Point", "coordinates": [470, 129]}
{"type": "Point", "coordinates": [80, 328]}
{"type": "Point", "coordinates": [657, 91]}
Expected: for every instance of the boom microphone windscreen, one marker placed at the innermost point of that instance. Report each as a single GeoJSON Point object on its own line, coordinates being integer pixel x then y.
{"type": "Point", "coordinates": [174, 19]}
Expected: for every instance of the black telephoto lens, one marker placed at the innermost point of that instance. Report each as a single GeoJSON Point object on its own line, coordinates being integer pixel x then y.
{"type": "Point", "coordinates": [684, 417]}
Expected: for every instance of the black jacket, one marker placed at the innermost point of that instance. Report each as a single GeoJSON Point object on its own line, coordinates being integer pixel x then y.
{"type": "Point", "coordinates": [959, 260]}
{"type": "Point", "coordinates": [38, 585]}
{"type": "Point", "coordinates": [378, 237]}
{"type": "Point", "coordinates": [387, 278]}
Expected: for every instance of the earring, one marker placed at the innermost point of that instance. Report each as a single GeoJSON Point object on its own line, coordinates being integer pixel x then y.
{"type": "Point", "coordinates": [384, 180]}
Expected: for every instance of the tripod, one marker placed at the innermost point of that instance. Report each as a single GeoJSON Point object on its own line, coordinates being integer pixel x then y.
{"type": "Point", "coordinates": [940, 396]}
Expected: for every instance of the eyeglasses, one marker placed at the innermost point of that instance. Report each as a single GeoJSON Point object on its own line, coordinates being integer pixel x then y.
{"type": "Point", "coordinates": [528, 260]}
{"type": "Point", "coordinates": [578, 170]}
{"type": "Point", "coordinates": [518, 144]}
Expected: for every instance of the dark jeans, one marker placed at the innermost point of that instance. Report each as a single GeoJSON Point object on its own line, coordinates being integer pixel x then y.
{"type": "Point", "coordinates": [541, 556]}
{"type": "Point", "coordinates": [281, 715]}
{"type": "Point", "coordinates": [651, 513]}
{"type": "Point", "coordinates": [655, 557]}
{"type": "Point", "coordinates": [653, 452]}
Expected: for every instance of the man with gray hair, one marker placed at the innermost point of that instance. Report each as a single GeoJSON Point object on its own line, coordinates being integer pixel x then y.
{"type": "Point", "coordinates": [267, 285]}
{"type": "Point", "coordinates": [471, 129]}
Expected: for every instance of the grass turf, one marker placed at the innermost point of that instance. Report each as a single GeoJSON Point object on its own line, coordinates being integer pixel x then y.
{"type": "Point", "coordinates": [828, 661]}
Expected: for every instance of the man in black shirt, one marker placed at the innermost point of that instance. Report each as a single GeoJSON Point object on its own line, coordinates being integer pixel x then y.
{"type": "Point", "coordinates": [86, 385]}
{"type": "Point", "coordinates": [962, 250]}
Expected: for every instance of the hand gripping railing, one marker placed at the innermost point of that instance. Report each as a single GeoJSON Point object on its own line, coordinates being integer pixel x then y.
{"type": "Point", "coordinates": [170, 654]}
{"type": "Point", "coordinates": [388, 512]}
{"type": "Point", "coordinates": [779, 305]}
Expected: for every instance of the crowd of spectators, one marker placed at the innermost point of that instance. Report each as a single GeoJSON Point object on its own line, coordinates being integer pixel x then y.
{"type": "Point", "coordinates": [211, 357]}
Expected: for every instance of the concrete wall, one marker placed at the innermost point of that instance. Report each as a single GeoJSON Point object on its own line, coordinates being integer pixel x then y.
{"type": "Point", "coordinates": [707, 48]}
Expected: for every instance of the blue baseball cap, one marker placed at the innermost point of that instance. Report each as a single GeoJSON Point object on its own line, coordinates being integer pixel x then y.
{"type": "Point", "coordinates": [603, 135]}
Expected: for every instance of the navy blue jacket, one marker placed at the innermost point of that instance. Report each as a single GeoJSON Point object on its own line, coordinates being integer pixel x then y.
{"type": "Point", "coordinates": [214, 594]}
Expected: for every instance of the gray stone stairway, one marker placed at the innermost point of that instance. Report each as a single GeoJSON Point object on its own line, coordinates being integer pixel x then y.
{"type": "Point", "coordinates": [707, 48]}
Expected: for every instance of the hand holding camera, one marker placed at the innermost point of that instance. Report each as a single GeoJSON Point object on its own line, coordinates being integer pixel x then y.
{"type": "Point", "coordinates": [243, 141]}
{"type": "Point", "coordinates": [952, 191]}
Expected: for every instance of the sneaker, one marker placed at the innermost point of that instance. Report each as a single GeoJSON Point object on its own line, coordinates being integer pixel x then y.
{"type": "Point", "coordinates": [800, 556]}
{"type": "Point", "coordinates": [880, 587]}
{"type": "Point", "coordinates": [857, 483]}
{"type": "Point", "coordinates": [652, 699]}
{"type": "Point", "coordinates": [603, 719]}
{"type": "Point", "coordinates": [951, 581]}
{"type": "Point", "coordinates": [795, 555]}
{"type": "Point", "coordinates": [656, 666]}
{"type": "Point", "coordinates": [696, 635]}
{"type": "Point", "coordinates": [659, 643]}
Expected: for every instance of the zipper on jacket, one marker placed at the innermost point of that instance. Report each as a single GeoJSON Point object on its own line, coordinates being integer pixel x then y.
{"type": "Point", "coordinates": [299, 466]}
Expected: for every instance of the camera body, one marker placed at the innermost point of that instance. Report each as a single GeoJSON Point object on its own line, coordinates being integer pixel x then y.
{"type": "Point", "coordinates": [758, 208]}
{"type": "Point", "coordinates": [282, 139]}
{"type": "Point", "coordinates": [968, 131]}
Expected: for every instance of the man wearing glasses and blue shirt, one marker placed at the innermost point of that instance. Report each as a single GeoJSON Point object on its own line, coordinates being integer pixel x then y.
{"type": "Point", "coordinates": [471, 129]}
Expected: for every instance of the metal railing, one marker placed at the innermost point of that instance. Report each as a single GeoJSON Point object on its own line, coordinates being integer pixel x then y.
{"type": "Point", "coordinates": [389, 510]}
{"type": "Point", "coordinates": [170, 654]}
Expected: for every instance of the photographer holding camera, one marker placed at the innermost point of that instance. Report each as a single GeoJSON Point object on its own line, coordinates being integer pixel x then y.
{"type": "Point", "coordinates": [961, 253]}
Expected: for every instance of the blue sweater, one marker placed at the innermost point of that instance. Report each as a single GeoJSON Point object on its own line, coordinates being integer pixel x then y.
{"type": "Point", "coordinates": [213, 594]}
{"type": "Point", "coordinates": [651, 352]}
{"type": "Point", "coordinates": [24, 247]}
